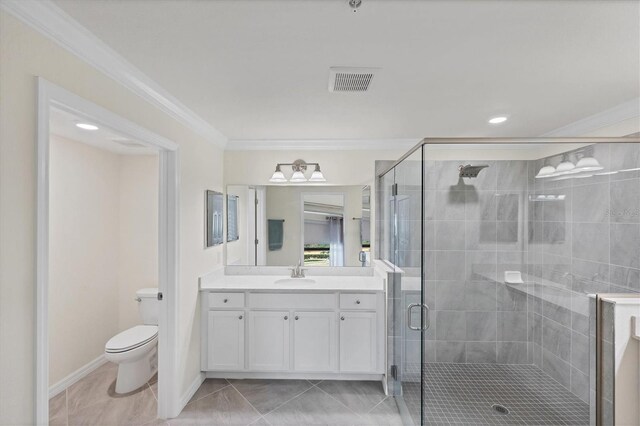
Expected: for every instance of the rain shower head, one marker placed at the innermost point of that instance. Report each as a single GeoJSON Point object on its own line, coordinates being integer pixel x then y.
{"type": "Point", "coordinates": [470, 171]}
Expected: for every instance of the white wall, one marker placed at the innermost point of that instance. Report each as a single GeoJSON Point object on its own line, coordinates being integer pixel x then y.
{"type": "Point", "coordinates": [103, 244]}
{"type": "Point", "coordinates": [25, 55]}
{"type": "Point", "coordinates": [84, 246]}
{"type": "Point", "coordinates": [138, 233]}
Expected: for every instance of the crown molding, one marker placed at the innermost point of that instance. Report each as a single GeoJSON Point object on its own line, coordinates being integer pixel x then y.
{"type": "Point", "coordinates": [51, 21]}
{"type": "Point", "coordinates": [617, 114]}
{"type": "Point", "coordinates": [320, 144]}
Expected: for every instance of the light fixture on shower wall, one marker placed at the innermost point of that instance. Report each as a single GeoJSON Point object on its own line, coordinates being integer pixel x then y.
{"type": "Point", "coordinates": [586, 163]}
{"type": "Point", "coordinates": [298, 167]}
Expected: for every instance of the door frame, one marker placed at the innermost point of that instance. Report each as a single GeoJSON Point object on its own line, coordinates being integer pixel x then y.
{"type": "Point", "coordinates": [51, 95]}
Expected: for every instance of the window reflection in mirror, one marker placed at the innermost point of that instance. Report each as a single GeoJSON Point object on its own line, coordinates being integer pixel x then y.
{"type": "Point", "coordinates": [323, 229]}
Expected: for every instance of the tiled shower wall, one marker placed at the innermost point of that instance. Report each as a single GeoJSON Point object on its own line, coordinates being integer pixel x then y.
{"type": "Point", "coordinates": [586, 239]}
{"type": "Point", "coordinates": [476, 229]}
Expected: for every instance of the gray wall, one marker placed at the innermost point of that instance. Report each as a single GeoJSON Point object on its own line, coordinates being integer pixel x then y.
{"type": "Point", "coordinates": [588, 243]}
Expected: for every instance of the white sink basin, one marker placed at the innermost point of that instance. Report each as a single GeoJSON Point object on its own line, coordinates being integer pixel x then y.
{"type": "Point", "coordinates": [294, 281]}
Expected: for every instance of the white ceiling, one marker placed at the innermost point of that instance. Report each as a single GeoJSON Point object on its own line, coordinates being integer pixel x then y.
{"type": "Point", "coordinates": [63, 123]}
{"type": "Point", "coordinates": [259, 69]}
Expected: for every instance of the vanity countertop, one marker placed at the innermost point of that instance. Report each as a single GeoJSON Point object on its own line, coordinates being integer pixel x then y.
{"type": "Point", "coordinates": [215, 282]}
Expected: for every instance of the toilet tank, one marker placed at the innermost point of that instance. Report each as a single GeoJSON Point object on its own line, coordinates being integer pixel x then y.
{"type": "Point", "coordinates": [148, 305]}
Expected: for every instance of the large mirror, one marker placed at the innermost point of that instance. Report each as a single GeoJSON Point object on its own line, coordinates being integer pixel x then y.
{"type": "Point", "coordinates": [278, 225]}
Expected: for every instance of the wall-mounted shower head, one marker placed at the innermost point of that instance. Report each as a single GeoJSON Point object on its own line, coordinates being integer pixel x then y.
{"type": "Point", "coordinates": [470, 171]}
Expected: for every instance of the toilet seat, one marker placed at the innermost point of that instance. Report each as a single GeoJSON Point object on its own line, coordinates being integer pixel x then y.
{"type": "Point", "coordinates": [131, 339]}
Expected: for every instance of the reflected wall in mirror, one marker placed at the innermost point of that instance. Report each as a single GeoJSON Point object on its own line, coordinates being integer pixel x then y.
{"type": "Point", "coordinates": [279, 225]}
{"type": "Point", "coordinates": [214, 218]}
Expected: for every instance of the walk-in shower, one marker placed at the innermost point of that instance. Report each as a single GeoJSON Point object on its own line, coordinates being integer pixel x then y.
{"type": "Point", "coordinates": [498, 246]}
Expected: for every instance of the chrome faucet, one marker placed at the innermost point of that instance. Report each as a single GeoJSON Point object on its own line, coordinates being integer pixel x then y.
{"type": "Point", "coordinates": [297, 271]}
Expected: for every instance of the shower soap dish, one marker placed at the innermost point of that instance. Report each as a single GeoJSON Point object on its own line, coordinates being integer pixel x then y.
{"type": "Point", "coordinates": [513, 277]}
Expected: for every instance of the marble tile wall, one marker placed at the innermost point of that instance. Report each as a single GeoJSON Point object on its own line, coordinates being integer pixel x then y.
{"type": "Point", "coordinates": [585, 240]}
{"type": "Point", "coordinates": [473, 232]}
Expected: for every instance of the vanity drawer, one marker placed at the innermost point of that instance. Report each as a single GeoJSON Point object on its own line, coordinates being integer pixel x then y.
{"type": "Point", "coordinates": [226, 300]}
{"type": "Point", "coordinates": [292, 301]}
{"type": "Point", "coordinates": [358, 301]}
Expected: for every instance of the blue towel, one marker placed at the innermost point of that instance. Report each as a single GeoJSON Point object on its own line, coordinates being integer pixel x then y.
{"type": "Point", "coordinates": [276, 233]}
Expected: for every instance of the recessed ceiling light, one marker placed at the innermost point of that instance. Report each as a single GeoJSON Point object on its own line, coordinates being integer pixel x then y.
{"type": "Point", "coordinates": [497, 120]}
{"type": "Point", "coordinates": [87, 126]}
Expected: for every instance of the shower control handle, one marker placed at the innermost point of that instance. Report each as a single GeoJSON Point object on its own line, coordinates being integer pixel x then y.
{"type": "Point", "coordinates": [426, 323]}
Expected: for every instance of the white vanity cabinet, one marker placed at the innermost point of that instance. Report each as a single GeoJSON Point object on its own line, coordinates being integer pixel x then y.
{"type": "Point", "coordinates": [303, 334]}
{"type": "Point", "coordinates": [314, 341]}
{"type": "Point", "coordinates": [225, 340]}
{"type": "Point", "coordinates": [269, 340]}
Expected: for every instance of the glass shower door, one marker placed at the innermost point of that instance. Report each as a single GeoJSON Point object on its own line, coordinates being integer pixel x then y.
{"type": "Point", "coordinates": [403, 217]}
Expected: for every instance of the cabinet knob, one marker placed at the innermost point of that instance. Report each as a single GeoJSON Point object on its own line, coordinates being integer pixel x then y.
{"type": "Point", "coordinates": [342, 318]}
{"type": "Point", "coordinates": [358, 302]}
{"type": "Point", "coordinates": [240, 317]}
{"type": "Point", "coordinates": [297, 318]}
{"type": "Point", "coordinates": [225, 300]}
{"type": "Point", "coordinates": [286, 317]}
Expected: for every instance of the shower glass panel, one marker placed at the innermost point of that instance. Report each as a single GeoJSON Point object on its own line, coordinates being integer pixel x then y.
{"type": "Point", "coordinates": [499, 251]}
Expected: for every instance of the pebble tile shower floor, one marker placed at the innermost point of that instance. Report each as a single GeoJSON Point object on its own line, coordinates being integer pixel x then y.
{"type": "Point", "coordinates": [464, 394]}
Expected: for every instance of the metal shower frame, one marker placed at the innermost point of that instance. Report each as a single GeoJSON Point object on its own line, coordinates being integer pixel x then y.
{"type": "Point", "coordinates": [513, 141]}
{"type": "Point", "coordinates": [508, 141]}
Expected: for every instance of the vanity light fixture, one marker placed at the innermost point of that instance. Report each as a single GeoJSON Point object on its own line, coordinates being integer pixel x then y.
{"type": "Point", "coordinates": [317, 175]}
{"type": "Point", "coordinates": [299, 167]}
{"type": "Point", "coordinates": [588, 164]}
{"type": "Point", "coordinates": [566, 167]}
{"type": "Point", "coordinates": [278, 176]}
{"type": "Point", "coordinates": [87, 126]}
{"type": "Point", "coordinates": [546, 171]}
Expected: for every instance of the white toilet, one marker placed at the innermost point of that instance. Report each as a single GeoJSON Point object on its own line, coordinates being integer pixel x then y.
{"type": "Point", "coordinates": [135, 350]}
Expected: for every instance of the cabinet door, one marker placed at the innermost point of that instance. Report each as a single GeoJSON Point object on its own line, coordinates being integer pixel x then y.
{"type": "Point", "coordinates": [269, 341]}
{"type": "Point", "coordinates": [225, 340]}
{"type": "Point", "coordinates": [314, 341]}
{"type": "Point", "coordinates": [358, 342]}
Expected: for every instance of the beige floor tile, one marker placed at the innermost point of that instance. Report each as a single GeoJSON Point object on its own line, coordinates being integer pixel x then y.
{"type": "Point", "coordinates": [267, 395]}
{"type": "Point", "coordinates": [359, 396]}
{"type": "Point", "coordinates": [386, 413]}
{"type": "Point", "coordinates": [137, 408]}
{"type": "Point", "coordinates": [97, 387]}
{"type": "Point", "coordinates": [314, 407]}
{"type": "Point", "coordinates": [208, 387]}
{"type": "Point", "coordinates": [58, 409]}
{"type": "Point", "coordinates": [224, 407]}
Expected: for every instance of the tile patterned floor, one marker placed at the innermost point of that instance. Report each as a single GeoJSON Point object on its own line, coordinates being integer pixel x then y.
{"type": "Point", "coordinates": [92, 401]}
{"type": "Point", "coordinates": [289, 402]}
{"type": "Point", "coordinates": [464, 394]}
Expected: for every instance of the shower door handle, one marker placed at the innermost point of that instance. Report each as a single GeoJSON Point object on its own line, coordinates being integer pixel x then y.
{"type": "Point", "coordinates": [426, 323]}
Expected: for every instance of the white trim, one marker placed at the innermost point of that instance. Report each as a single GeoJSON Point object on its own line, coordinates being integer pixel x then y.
{"type": "Point", "coordinates": [321, 144]}
{"type": "Point", "coordinates": [240, 375]}
{"type": "Point", "coordinates": [74, 377]}
{"type": "Point", "coordinates": [617, 114]}
{"type": "Point", "coordinates": [192, 389]}
{"type": "Point", "coordinates": [50, 95]}
{"type": "Point", "coordinates": [51, 21]}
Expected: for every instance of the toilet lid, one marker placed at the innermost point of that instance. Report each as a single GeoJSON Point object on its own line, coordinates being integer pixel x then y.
{"type": "Point", "coordinates": [132, 338]}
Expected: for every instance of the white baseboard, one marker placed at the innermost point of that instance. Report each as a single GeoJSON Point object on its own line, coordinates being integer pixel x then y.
{"type": "Point", "coordinates": [193, 388]}
{"type": "Point", "coordinates": [80, 373]}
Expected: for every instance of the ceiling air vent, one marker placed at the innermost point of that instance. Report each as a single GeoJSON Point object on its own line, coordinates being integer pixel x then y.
{"type": "Point", "coordinates": [346, 79]}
